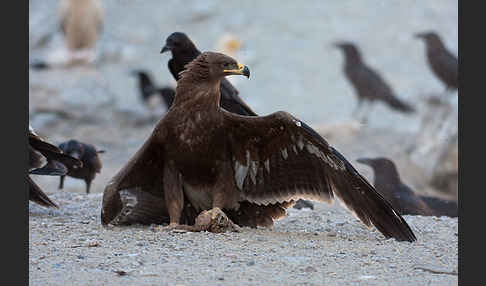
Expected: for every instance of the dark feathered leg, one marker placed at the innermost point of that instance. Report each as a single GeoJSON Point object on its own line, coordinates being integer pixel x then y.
{"type": "Point", "coordinates": [357, 109]}
{"type": "Point", "coordinates": [174, 197]}
{"type": "Point", "coordinates": [88, 185]}
{"type": "Point", "coordinates": [365, 109]}
{"type": "Point", "coordinates": [61, 182]}
{"type": "Point", "coordinates": [450, 91]}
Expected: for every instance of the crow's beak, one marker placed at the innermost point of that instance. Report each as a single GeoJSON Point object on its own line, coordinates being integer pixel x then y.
{"type": "Point", "coordinates": [165, 48]}
{"type": "Point", "coordinates": [420, 35]}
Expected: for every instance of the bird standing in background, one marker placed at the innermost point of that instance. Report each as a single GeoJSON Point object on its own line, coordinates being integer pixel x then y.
{"type": "Point", "coordinates": [367, 83]}
{"type": "Point", "coordinates": [81, 23]}
{"type": "Point", "coordinates": [46, 159]}
{"type": "Point", "coordinates": [250, 167]}
{"type": "Point", "coordinates": [148, 90]}
{"type": "Point", "coordinates": [442, 62]}
{"type": "Point", "coordinates": [183, 52]}
{"type": "Point", "coordinates": [389, 184]}
{"type": "Point", "coordinates": [88, 154]}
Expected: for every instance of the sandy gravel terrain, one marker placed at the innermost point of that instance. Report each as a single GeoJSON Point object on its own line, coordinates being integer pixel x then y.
{"type": "Point", "coordinates": [326, 246]}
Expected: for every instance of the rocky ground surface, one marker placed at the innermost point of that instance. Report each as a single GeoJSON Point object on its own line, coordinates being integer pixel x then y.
{"type": "Point", "coordinates": [294, 69]}
{"type": "Point", "coordinates": [326, 246]}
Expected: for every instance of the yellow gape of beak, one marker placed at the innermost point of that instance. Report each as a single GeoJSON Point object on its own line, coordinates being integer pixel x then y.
{"type": "Point", "coordinates": [242, 69]}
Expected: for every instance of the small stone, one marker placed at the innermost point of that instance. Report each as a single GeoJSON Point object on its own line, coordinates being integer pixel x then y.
{"type": "Point", "coordinates": [93, 244]}
{"type": "Point", "coordinates": [310, 269]}
{"type": "Point", "coordinates": [332, 234]}
{"type": "Point", "coordinates": [121, 272]}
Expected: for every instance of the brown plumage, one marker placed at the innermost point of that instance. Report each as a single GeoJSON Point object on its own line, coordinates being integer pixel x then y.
{"type": "Point", "coordinates": [183, 52]}
{"type": "Point", "coordinates": [81, 22]}
{"type": "Point", "coordinates": [88, 154]}
{"type": "Point", "coordinates": [46, 159]}
{"type": "Point", "coordinates": [389, 184]}
{"type": "Point", "coordinates": [368, 83]}
{"type": "Point", "coordinates": [442, 62]}
{"type": "Point", "coordinates": [200, 156]}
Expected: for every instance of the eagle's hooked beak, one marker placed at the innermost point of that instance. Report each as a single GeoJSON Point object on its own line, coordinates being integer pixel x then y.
{"type": "Point", "coordinates": [241, 70]}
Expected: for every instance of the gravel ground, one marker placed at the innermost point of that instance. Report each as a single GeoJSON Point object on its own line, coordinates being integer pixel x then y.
{"type": "Point", "coordinates": [287, 48]}
{"type": "Point", "coordinates": [326, 246]}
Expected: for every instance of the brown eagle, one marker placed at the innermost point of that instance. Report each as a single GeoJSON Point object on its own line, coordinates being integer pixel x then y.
{"type": "Point", "coordinates": [201, 157]}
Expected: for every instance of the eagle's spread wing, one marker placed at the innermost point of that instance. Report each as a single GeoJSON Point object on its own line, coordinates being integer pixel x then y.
{"type": "Point", "coordinates": [278, 158]}
{"type": "Point", "coordinates": [138, 183]}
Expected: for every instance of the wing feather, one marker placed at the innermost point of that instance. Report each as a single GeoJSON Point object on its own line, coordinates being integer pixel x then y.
{"type": "Point", "coordinates": [312, 170]}
{"type": "Point", "coordinates": [58, 163]}
{"type": "Point", "coordinates": [142, 174]}
{"type": "Point", "coordinates": [38, 196]}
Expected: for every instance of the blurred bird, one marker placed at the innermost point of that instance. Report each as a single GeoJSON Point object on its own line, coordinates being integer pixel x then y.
{"type": "Point", "coordinates": [368, 84]}
{"type": "Point", "coordinates": [441, 207]}
{"type": "Point", "coordinates": [46, 159]}
{"type": "Point", "coordinates": [148, 89]}
{"type": "Point", "coordinates": [183, 52]}
{"type": "Point", "coordinates": [88, 154]}
{"type": "Point", "coordinates": [229, 44]}
{"type": "Point", "coordinates": [390, 186]}
{"type": "Point", "coordinates": [81, 22]}
{"type": "Point", "coordinates": [442, 62]}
